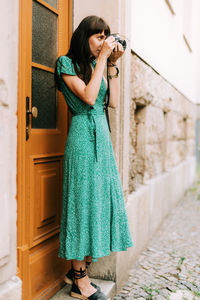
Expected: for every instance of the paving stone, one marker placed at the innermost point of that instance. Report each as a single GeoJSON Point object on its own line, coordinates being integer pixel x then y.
{"type": "Point", "coordinates": [127, 288]}
{"type": "Point", "coordinates": [164, 293]}
{"type": "Point", "coordinates": [124, 291]}
{"type": "Point", "coordinates": [159, 297]}
{"type": "Point", "coordinates": [129, 283]}
{"type": "Point", "coordinates": [169, 267]}
{"type": "Point", "coordinates": [121, 295]}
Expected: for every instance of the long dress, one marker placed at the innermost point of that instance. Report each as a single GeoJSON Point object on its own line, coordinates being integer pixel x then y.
{"type": "Point", "coordinates": [94, 220]}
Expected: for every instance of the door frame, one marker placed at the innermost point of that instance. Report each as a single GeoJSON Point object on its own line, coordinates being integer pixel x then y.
{"type": "Point", "coordinates": [64, 36]}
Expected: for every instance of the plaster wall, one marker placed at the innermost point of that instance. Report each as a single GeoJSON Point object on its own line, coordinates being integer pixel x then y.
{"type": "Point", "coordinates": [10, 285]}
{"type": "Point", "coordinates": [157, 37]}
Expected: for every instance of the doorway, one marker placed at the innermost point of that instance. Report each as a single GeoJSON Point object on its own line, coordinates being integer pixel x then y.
{"type": "Point", "coordinates": [44, 34]}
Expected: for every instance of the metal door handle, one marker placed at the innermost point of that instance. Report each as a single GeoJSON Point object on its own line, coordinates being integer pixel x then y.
{"type": "Point", "coordinates": [33, 112]}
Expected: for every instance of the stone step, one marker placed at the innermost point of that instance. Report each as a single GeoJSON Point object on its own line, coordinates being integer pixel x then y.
{"type": "Point", "coordinates": [107, 287]}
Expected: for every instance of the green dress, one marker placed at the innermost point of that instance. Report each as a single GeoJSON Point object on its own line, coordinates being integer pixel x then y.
{"type": "Point", "coordinates": [94, 220]}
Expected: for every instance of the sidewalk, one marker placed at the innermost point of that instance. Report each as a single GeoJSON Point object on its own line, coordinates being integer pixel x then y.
{"type": "Point", "coordinates": [169, 268]}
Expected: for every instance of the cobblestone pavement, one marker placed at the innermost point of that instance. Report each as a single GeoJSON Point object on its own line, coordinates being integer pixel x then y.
{"type": "Point", "coordinates": [169, 268]}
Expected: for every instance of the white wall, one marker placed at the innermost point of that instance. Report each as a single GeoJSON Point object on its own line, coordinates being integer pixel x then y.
{"type": "Point", "coordinates": [101, 8]}
{"type": "Point", "coordinates": [10, 285]}
{"type": "Point", "coordinates": [157, 37]}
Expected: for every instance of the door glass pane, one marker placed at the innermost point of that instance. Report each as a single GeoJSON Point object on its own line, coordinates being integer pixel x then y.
{"type": "Point", "coordinates": [52, 2]}
{"type": "Point", "coordinates": [44, 98]}
{"type": "Point", "coordinates": [44, 35]}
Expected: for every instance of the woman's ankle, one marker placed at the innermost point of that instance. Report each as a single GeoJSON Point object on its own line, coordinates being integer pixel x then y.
{"type": "Point", "coordinates": [88, 259]}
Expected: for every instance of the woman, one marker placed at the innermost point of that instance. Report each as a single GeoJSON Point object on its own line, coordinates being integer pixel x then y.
{"type": "Point", "coordinates": [94, 220]}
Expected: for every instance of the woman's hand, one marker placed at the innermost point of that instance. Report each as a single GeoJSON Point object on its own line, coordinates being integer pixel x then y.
{"type": "Point", "coordinates": [117, 53]}
{"type": "Point", "coordinates": [108, 47]}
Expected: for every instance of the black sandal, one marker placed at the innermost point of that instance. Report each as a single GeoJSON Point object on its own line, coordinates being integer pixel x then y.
{"type": "Point", "coordinates": [75, 291]}
{"type": "Point", "coordinates": [69, 277]}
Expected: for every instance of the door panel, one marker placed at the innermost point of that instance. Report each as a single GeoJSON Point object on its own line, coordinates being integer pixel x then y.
{"type": "Point", "coordinates": [45, 28]}
{"type": "Point", "coordinates": [42, 272]}
{"type": "Point", "coordinates": [45, 195]}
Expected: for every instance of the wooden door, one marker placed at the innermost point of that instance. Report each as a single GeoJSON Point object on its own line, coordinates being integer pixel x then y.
{"type": "Point", "coordinates": [45, 26]}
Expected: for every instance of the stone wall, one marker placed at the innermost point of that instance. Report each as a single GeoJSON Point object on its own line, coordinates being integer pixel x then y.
{"type": "Point", "coordinates": [162, 125]}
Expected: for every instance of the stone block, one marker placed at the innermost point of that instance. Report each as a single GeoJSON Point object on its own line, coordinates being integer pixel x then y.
{"type": "Point", "coordinates": [154, 125]}
{"type": "Point", "coordinates": [175, 153]}
{"type": "Point", "coordinates": [190, 128]}
{"type": "Point", "coordinates": [190, 147]}
{"type": "Point", "coordinates": [107, 270]}
{"type": "Point", "coordinates": [175, 126]}
{"type": "Point", "coordinates": [11, 289]}
{"type": "Point", "coordinates": [153, 160]}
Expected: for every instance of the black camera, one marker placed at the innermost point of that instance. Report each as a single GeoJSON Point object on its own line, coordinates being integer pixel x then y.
{"type": "Point", "coordinates": [119, 40]}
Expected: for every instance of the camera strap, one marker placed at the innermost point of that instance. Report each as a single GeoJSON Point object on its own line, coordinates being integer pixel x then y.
{"type": "Point", "coordinates": [106, 101]}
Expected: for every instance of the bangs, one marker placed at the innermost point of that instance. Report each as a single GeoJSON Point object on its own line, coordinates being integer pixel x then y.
{"type": "Point", "coordinates": [97, 26]}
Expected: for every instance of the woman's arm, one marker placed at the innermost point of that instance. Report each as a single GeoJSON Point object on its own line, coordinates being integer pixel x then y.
{"type": "Point", "coordinates": [114, 82]}
{"type": "Point", "coordinates": [114, 88]}
{"type": "Point", "coordinates": [88, 93]}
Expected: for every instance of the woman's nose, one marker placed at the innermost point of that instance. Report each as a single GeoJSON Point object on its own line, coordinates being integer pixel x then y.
{"type": "Point", "coordinates": [102, 43]}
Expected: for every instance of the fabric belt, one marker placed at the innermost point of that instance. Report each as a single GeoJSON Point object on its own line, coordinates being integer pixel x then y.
{"type": "Point", "coordinates": [91, 113]}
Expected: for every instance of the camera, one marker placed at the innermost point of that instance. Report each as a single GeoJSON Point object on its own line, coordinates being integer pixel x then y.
{"type": "Point", "coordinates": [119, 40]}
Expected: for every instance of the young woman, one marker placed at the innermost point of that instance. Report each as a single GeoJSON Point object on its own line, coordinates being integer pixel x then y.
{"type": "Point", "coordinates": [94, 220]}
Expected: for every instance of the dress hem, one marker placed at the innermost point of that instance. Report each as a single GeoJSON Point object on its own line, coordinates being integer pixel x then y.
{"type": "Point", "coordinates": [94, 259]}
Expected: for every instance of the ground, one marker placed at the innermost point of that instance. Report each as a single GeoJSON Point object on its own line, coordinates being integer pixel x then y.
{"type": "Point", "coordinates": [169, 268]}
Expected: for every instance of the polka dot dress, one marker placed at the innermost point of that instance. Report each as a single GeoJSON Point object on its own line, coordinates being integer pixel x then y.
{"type": "Point", "coordinates": [94, 220]}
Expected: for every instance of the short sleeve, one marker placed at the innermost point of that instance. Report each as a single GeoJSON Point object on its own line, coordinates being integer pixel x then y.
{"type": "Point", "coordinates": [65, 66]}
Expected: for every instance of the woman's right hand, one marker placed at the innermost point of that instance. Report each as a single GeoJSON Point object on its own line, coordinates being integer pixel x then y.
{"type": "Point", "coordinates": [108, 46]}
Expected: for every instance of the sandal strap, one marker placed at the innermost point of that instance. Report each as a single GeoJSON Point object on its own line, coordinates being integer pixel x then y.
{"type": "Point", "coordinates": [79, 273]}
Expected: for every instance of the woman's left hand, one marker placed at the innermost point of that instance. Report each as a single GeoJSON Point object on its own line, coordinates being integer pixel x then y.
{"type": "Point", "coordinates": [117, 53]}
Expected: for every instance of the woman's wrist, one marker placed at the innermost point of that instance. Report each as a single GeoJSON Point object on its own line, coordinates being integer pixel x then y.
{"type": "Point", "coordinates": [102, 59]}
{"type": "Point", "coordinates": [112, 63]}
{"type": "Point", "coordinates": [112, 60]}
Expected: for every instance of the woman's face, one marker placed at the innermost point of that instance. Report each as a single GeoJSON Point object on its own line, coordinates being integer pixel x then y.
{"type": "Point", "coordinates": [95, 42]}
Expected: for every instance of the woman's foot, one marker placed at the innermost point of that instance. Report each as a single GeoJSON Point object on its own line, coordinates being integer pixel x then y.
{"type": "Point", "coordinates": [84, 284]}
{"type": "Point", "coordinates": [82, 288]}
{"type": "Point", "coordinates": [69, 277]}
